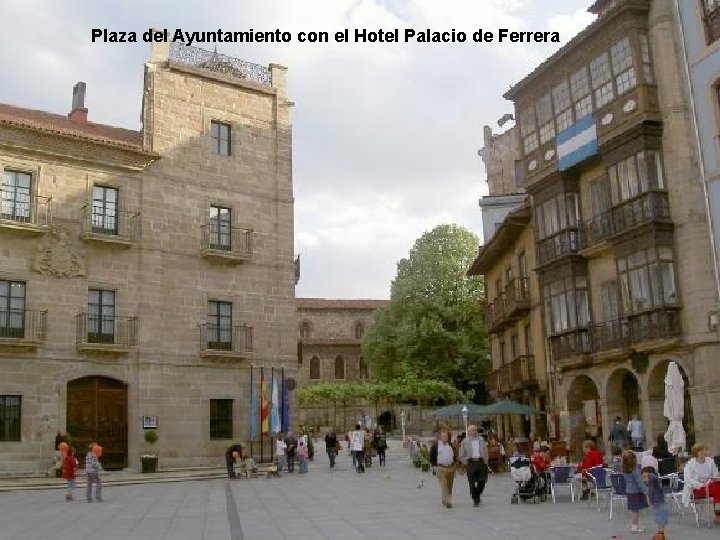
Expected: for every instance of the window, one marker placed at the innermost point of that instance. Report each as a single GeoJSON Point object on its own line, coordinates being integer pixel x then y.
{"type": "Point", "coordinates": [528, 130]}
{"type": "Point", "coordinates": [647, 280]}
{"type": "Point", "coordinates": [609, 300]}
{"type": "Point", "coordinates": [557, 214]}
{"type": "Point", "coordinates": [220, 228]}
{"type": "Point", "coordinates": [566, 304]}
{"type": "Point", "coordinates": [219, 325]}
{"type": "Point", "coordinates": [363, 369]}
{"type": "Point", "coordinates": [105, 210]}
{"type": "Point", "coordinates": [306, 330]}
{"type": "Point", "coordinates": [314, 368]}
{"type": "Point", "coordinates": [635, 175]}
{"type": "Point", "coordinates": [498, 287]}
{"type": "Point", "coordinates": [580, 88]}
{"type": "Point", "coordinates": [10, 414]}
{"type": "Point", "coordinates": [221, 419]}
{"type": "Point", "coordinates": [562, 103]}
{"type": "Point", "coordinates": [543, 108]}
{"type": "Point", "coordinates": [622, 63]}
{"type": "Point", "coordinates": [522, 265]}
{"type": "Point", "coordinates": [101, 316]}
{"type": "Point", "coordinates": [711, 10]}
{"type": "Point", "coordinates": [12, 309]}
{"type": "Point", "coordinates": [501, 348]}
{"type": "Point", "coordinates": [16, 196]}
{"type": "Point", "coordinates": [601, 79]}
{"type": "Point", "coordinates": [514, 346]}
{"type": "Point", "coordinates": [220, 134]}
{"type": "Point", "coordinates": [599, 196]}
{"type": "Point", "coordinates": [339, 367]}
{"type": "Point", "coordinates": [647, 64]}
{"type": "Point", "coordinates": [508, 276]}
{"type": "Point", "coordinates": [529, 349]}
{"type": "Point", "coordinates": [359, 330]}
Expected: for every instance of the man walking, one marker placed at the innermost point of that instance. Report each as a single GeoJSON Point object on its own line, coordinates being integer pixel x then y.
{"type": "Point", "coordinates": [442, 457]}
{"type": "Point", "coordinates": [357, 443]}
{"type": "Point", "coordinates": [637, 432]}
{"type": "Point", "coordinates": [290, 446]}
{"type": "Point", "coordinates": [331, 444]}
{"type": "Point", "coordinates": [474, 455]}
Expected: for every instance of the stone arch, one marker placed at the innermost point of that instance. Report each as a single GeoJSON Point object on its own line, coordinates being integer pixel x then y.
{"type": "Point", "coordinates": [306, 329]}
{"type": "Point", "coordinates": [657, 423]}
{"type": "Point", "coordinates": [623, 394]}
{"type": "Point", "coordinates": [315, 368]}
{"type": "Point", "coordinates": [339, 367]}
{"type": "Point", "coordinates": [583, 410]}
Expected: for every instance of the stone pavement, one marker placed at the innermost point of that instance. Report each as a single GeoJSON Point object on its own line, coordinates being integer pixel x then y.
{"type": "Point", "coordinates": [384, 503]}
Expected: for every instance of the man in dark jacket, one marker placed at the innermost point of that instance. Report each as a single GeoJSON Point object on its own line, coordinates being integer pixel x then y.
{"type": "Point", "coordinates": [331, 447]}
{"type": "Point", "coordinates": [230, 458]}
{"type": "Point", "coordinates": [291, 443]}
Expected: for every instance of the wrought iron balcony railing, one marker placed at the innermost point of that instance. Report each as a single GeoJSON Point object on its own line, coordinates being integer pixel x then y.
{"type": "Point", "coordinates": [22, 325]}
{"type": "Point", "coordinates": [219, 339]}
{"type": "Point", "coordinates": [31, 211]}
{"type": "Point", "coordinates": [559, 245]}
{"type": "Point", "coordinates": [106, 330]}
{"type": "Point", "coordinates": [659, 324]}
{"type": "Point", "coordinates": [99, 224]}
{"type": "Point", "coordinates": [570, 344]}
{"type": "Point", "coordinates": [220, 63]}
{"type": "Point", "coordinates": [517, 297]}
{"type": "Point", "coordinates": [610, 335]}
{"type": "Point", "coordinates": [597, 230]}
{"type": "Point", "coordinates": [646, 208]}
{"type": "Point", "coordinates": [522, 371]}
{"type": "Point", "coordinates": [227, 243]}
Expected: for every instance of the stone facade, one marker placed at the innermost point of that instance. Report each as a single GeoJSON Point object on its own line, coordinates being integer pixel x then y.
{"type": "Point", "coordinates": [195, 300]}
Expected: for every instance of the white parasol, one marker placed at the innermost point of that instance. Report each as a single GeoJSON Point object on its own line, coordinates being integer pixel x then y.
{"type": "Point", "coordinates": [674, 408]}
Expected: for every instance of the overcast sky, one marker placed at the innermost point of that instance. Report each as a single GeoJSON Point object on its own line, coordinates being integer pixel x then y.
{"type": "Point", "coordinates": [385, 135]}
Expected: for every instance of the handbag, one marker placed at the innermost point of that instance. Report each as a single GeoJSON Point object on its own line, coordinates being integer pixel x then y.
{"type": "Point", "coordinates": [338, 447]}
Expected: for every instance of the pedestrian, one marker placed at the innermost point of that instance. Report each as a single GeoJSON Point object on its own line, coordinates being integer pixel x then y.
{"type": "Point", "coordinates": [290, 447]}
{"type": "Point", "coordinates": [635, 490]}
{"type": "Point", "coordinates": [69, 472]}
{"type": "Point", "coordinates": [657, 500]}
{"type": "Point", "coordinates": [618, 434]}
{"type": "Point", "coordinates": [592, 458]}
{"type": "Point", "coordinates": [637, 432]}
{"type": "Point", "coordinates": [474, 455]}
{"type": "Point", "coordinates": [701, 476]}
{"type": "Point", "coordinates": [302, 454]}
{"type": "Point", "coordinates": [331, 447]}
{"type": "Point", "coordinates": [381, 447]}
{"type": "Point", "coordinates": [443, 458]}
{"type": "Point", "coordinates": [357, 440]}
{"type": "Point", "coordinates": [93, 468]}
{"type": "Point", "coordinates": [231, 454]}
{"type": "Point", "coordinates": [281, 452]}
{"type": "Point", "coordinates": [368, 447]}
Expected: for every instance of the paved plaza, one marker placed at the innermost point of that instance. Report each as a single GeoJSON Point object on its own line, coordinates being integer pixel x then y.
{"type": "Point", "coordinates": [384, 503]}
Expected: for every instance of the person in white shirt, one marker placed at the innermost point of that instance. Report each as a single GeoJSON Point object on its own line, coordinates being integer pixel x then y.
{"type": "Point", "coordinates": [637, 432]}
{"type": "Point", "coordinates": [357, 443]}
{"type": "Point", "coordinates": [702, 478]}
{"type": "Point", "coordinates": [280, 448]}
{"type": "Point", "coordinates": [474, 454]}
{"type": "Point", "coordinates": [442, 457]}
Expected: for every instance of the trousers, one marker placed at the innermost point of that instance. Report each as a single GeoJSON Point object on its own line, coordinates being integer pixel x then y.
{"type": "Point", "coordinates": [446, 477]}
{"type": "Point", "coordinates": [477, 473]}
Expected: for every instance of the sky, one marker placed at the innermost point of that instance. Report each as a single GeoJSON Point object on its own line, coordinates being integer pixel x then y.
{"type": "Point", "coordinates": [385, 136]}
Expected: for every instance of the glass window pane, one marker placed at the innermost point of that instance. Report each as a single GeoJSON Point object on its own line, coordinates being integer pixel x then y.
{"type": "Point", "coordinates": [621, 53]}
{"type": "Point", "coordinates": [583, 107]}
{"type": "Point", "coordinates": [579, 84]}
{"type": "Point", "coordinates": [600, 70]}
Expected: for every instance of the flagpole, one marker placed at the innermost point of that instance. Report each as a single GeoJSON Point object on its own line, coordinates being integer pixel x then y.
{"type": "Point", "coordinates": [270, 406]}
{"type": "Point", "coordinates": [262, 383]}
{"type": "Point", "coordinates": [252, 396]}
{"type": "Point", "coordinates": [282, 397]}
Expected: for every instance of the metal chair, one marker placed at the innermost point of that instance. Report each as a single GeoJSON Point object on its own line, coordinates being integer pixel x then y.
{"type": "Point", "coordinates": [619, 491]}
{"type": "Point", "coordinates": [598, 478]}
{"type": "Point", "coordinates": [672, 486]}
{"type": "Point", "coordinates": [562, 477]}
{"type": "Point", "coordinates": [667, 466]}
{"type": "Point", "coordinates": [705, 501]}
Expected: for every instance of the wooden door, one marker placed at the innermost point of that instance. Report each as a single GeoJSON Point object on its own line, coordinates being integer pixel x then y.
{"type": "Point", "coordinates": [97, 412]}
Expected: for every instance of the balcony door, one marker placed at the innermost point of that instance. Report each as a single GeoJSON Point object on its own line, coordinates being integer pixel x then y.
{"type": "Point", "coordinates": [12, 309]}
{"type": "Point", "coordinates": [220, 228]}
{"type": "Point", "coordinates": [105, 210]}
{"type": "Point", "coordinates": [16, 196]}
{"type": "Point", "coordinates": [101, 316]}
{"type": "Point", "coordinates": [219, 326]}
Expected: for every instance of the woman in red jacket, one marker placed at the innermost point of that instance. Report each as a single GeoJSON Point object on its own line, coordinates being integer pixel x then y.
{"type": "Point", "coordinates": [69, 470]}
{"type": "Point", "coordinates": [593, 458]}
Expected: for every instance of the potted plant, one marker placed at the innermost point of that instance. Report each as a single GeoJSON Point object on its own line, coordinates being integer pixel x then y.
{"type": "Point", "coordinates": [150, 461]}
{"type": "Point", "coordinates": [424, 459]}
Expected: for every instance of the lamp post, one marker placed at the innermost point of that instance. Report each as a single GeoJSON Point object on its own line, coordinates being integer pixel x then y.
{"type": "Point", "coordinates": [402, 423]}
{"type": "Point", "coordinates": [465, 416]}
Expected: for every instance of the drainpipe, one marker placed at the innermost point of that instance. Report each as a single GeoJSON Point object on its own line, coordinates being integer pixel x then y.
{"type": "Point", "coordinates": [701, 161]}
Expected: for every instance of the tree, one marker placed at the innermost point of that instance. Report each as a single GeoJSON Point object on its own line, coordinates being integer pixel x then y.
{"type": "Point", "coordinates": [432, 328]}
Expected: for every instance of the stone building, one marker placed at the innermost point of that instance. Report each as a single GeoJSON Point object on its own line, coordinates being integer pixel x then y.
{"type": "Point", "coordinates": [622, 240]}
{"type": "Point", "coordinates": [143, 272]}
{"type": "Point", "coordinates": [330, 335]}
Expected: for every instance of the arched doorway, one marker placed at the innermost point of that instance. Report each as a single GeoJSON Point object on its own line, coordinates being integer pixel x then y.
{"type": "Point", "coordinates": [387, 420]}
{"type": "Point", "coordinates": [656, 396]}
{"type": "Point", "coordinates": [623, 395]}
{"type": "Point", "coordinates": [97, 412]}
{"type": "Point", "coordinates": [584, 413]}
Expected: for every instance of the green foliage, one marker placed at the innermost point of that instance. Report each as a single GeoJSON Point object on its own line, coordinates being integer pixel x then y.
{"type": "Point", "coordinates": [432, 328]}
{"type": "Point", "coordinates": [151, 436]}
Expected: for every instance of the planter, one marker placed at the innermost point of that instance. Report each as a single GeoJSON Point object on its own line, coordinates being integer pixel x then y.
{"type": "Point", "coordinates": [425, 467]}
{"type": "Point", "coordinates": [149, 464]}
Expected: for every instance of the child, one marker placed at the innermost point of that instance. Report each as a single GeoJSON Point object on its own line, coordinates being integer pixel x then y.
{"type": "Point", "coordinates": [617, 459]}
{"type": "Point", "coordinates": [69, 469]}
{"type": "Point", "coordinates": [92, 472]}
{"type": "Point", "coordinates": [302, 453]}
{"type": "Point", "coordinates": [635, 489]}
{"type": "Point", "coordinates": [657, 500]}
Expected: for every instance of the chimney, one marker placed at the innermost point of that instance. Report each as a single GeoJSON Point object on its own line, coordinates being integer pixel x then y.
{"type": "Point", "coordinates": [79, 112]}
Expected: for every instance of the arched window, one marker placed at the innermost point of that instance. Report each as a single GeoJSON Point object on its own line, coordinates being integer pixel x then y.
{"type": "Point", "coordinates": [363, 369]}
{"type": "Point", "coordinates": [339, 367]}
{"type": "Point", "coordinates": [359, 330]}
{"type": "Point", "coordinates": [315, 368]}
{"type": "Point", "coordinates": [306, 330]}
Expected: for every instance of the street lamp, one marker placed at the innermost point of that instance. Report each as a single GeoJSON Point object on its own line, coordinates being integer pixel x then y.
{"type": "Point", "coordinates": [402, 423]}
{"type": "Point", "coordinates": [465, 416]}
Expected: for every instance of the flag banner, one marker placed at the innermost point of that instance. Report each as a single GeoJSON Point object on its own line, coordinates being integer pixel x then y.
{"type": "Point", "coordinates": [577, 143]}
{"type": "Point", "coordinates": [285, 405]}
{"type": "Point", "coordinates": [275, 414]}
{"type": "Point", "coordinates": [264, 427]}
{"type": "Point", "coordinates": [253, 407]}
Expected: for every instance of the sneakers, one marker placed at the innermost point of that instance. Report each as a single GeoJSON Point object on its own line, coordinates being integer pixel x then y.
{"type": "Point", "coordinates": [636, 529]}
{"type": "Point", "coordinates": [476, 503]}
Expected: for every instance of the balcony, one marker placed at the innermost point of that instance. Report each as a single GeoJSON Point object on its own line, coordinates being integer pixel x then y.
{"type": "Point", "coordinates": [516, 298]}
{"type": "Point", "coordinates": [610, 335]}
{"type": "Point", "coordinates": [226, 341]}
{"type": "Point", "coordinates": [649, 207]}
{"type": "Point", "coordinates": [119, 228]}
{"type": "Point", "coordinates": [22, 329]}
{"type": "Point", "coordinates": [597, 230]}
{"type": "Point", "coordinates": [106, 333]}
{"type": "Point", "coordinates": [660, 324]}
{"type": "Point", "coordinates": [494, 316]}
{"type": "Point", "coordinates": [522, 372]}
{"type": "Point", "coordinates": [28, 215]}
{"type": "Point", "coordinates": [231, 245]}
{"type": "Point", "coordinates": [559, 245]}
{"type": "Point", "coordinates": [570, 344]}
{"type": "Point", "coordinates": [499, 381]}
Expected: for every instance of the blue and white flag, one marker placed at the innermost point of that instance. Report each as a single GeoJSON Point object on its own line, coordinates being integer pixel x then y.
{"type": "Point", "coordinates": [275, 410]}
{"type": "Point", "coordinates": [577, 143]}
{"type": "Point", "coordinates": [285, 404]}
{"type": "Point", "coordinates": [253, 408]}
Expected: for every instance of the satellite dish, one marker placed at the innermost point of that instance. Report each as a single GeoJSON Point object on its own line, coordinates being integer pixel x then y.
{"type": "Point", "coordinates": [290, 383]}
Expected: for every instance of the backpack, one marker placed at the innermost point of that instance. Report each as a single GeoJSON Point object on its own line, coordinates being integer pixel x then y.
{"type": "Point", "coordinates": [382, 443]}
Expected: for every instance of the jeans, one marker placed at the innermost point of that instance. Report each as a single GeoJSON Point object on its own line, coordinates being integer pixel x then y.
{"type": "Point", "coordinates": [281, 462]}
{"type": "Point", "coordinates": [359, 460]}
{"type": "Point", "coordinates": [381, 455]}
{"type": "Point", "coordinates": [332, 453]}
{"type": "Point", "coordinates": [93, 477]}
{"type": "Point", "coordinates": [291, 463]}
{"type": "Point", "coordinates": [303, 461]}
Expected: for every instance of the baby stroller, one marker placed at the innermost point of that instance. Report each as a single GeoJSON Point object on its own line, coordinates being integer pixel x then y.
{"type": "Point", "coordinates": [528, 484]}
